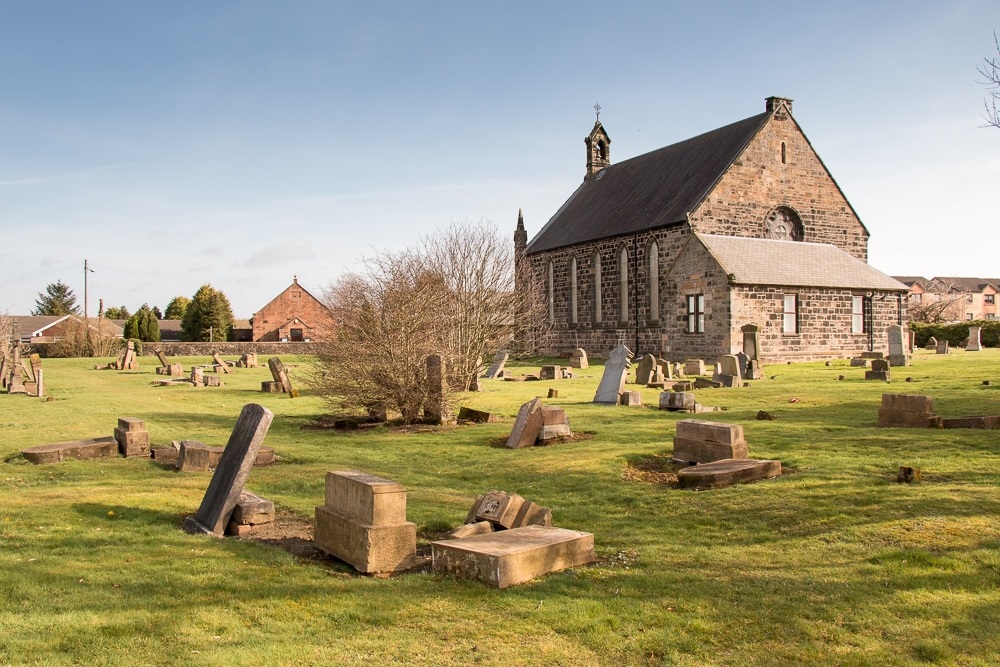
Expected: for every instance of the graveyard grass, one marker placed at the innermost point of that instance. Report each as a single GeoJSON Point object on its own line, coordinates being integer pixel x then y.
{"type": "Point", "coordinates": [832, 564]}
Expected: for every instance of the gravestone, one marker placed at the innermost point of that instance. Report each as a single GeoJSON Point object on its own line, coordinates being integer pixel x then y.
{"type": "Point", "coordinates": [911, 340]}
{"type": "Point", "coordinates": [269, 387]}
{"type": "Point", "coordinates": [631, 398]}
{"type": "Point", "coordinates": [474, 416]}
{"type": "Point", "coordinates": [39, 385]}
{"type": "Point", "coordinates": [363, 523]}
{"type": "Point", "coordinates": [975, 343]}
{"type": "Point", "coordinates": [499, 360]}
{"type": "Point", "coordinates": [727, 472]}
{"type": "Point", "coordinates": [694, 367]}
{"type": "Point", "coordinates": [550, 373]}
{"type": "Point", "coordinates": [751, 348]}
{"type": "Point", "coordinates": [879, 371]}
{"type": "Point", "coordinates": [227, 483]}
{"type": "Point", "coordinates": [248, 360]}
{"type": "Point", "coordinates": [703, 441]}
{"type": "Point", "coordinates": [527, 426]}
{"type": "Point", "coordinates": [555, 424]}
{"type": "Point", "coordinates": [578, 358]}
{"type": "Point", "coordinates": [675, 401]}
{"type": "Point", "coordinates": [129, 360]}
{"type": "Point", "coordinates": [907, 410]}
{"type": "Point", "coordinates": [193, 456]}
{"type": "Point", "coordinates": [91, 448]}
{"type": "Point", "coordinates": [197, 376]}
{"type": "Point", "coordinates": [220, 363]}
{"type": "Point", "coordinates": [132, 437]}
{"type": "Point", "coordinates": [612, 383]}
{"type": "Point", "coordinates": [942, 347]}
{"type": "Point", "coordinates": [434, 397]}
{"type": "Point", "coordinates": [503, 511]}
{"type": "Point", "coordinates": [644, 371]}
{"type": "Point", "coordinates": [932, 343]}
{"type": "Point", "coordinates": [251, 511]}
{"type": "Point", "coordinates": [212, 381]}
{"type": "Point", "coordinates": [729, 374]}
{"type": "Point", "coordinates": [897, 346]}
{"type": "Point", "coordinates": [4, 373]}
{"type": "Point", "coordinates": [16, 383]}
{"type": "Point", "coordinates": [280, 375]}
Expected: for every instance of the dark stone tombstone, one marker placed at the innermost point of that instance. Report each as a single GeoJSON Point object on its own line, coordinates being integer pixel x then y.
{"type": "Point", "coordinates": [280, 376]}
{"type": "Point", "coordinates": [227, 483]}
{"type": "Point", "coordinates": [751, 348]}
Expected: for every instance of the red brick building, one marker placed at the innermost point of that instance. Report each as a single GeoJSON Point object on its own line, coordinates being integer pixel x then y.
{"type": "Point", "coordinates": [673, 251]}
{"type": "Point", "coordinates": [294, 315]}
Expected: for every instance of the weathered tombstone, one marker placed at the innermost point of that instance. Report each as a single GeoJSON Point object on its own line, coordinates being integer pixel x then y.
{"type": "Point", "coordinates": [248, 360]}
{"type": "Point", "coordinates": [132, 437]}
{"type": "Point", "coordinates": [879, 371]}
{"type": "Point", "coordinates": [694, 367]}
{"type": "Point", "coordinates": [220, 363]}
{"type": "Point", "coordinates": [197, 376]}
{"type": "Point", "coordinates": [251, 510]}
{"type": "Point", "coordinates": [269, 387]}
{"type": "Point", "coordinates": [227, 483]}
{"type": "Point", "coordinates": [631, 398]}
{"type": "Point", "coordinates": [474, 416]}
{"type": "Point", "coordinates": [129, 360]}
{"type": "Point", "coordinates": [727, 472]}
{"type": "Point", "coordinates": [907, 410]}
{"type": "Point", "coordinates": [678, 370]}
{"type": "Point", "coordinates": [434, 397]}
{"type": "Point", "coordinates": [550, 373]}
{"type": "Point", "coordinates": [932, 343]}
{"type": "Point", "coordinates": [751, 348]}
{"type": "Point", "coordinates": [644, 371]}
{"type": "Point", "coordinates": [677, 401]}
{"type": "Point", "coordinates": [975, 343]}
{"type": "Point", "coordinates": [4, 373]}
{"type": "Point", "coordinates": [280, 376]}
{"type": "Point", "coordinates": [578, 358]}
{"type": "Point", "coordinates": [527, 426]}
{"type": "Point", "coordinates": [555, 424]}
{"type": "Point", "coordinates": [363, 523]}
{"type": "Point", "coordinates": [942, 347]}
{"type": "Point", "coordinates": [499, 360]}
{"type": "Point", "coordinates": [911, 340]}
{"type": "Point", "coordinates": [897, 347]}
{"type": "Point", "coordinates": [212, 380]}
{"type": "Point", "coordinates": [39, 385]}
{"type": "Point", "coordinates": [193, 456]}
{"type": "Point", "coordinates": [703, 441]}
{"type": "Point", "coordinates": [729, 373]}
{"type": "Point", "coordinates": [162, 357]}
{"type": "Point", "coordinates": [612, 383]}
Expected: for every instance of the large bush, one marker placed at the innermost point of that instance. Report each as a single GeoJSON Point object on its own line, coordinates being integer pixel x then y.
{"type": "Point", "coordinates": [956, 333]}
{"type": "Point", "coordinates": [208, 316]}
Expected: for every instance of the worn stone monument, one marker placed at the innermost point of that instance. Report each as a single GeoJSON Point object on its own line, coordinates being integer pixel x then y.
{"type": "Point", "coordinates": [363, 523]}
{"type": "Point", "coordinates": [879, 371]}
{"type": "Point", "coordinates": [578, 358]}
{"type": "Point", "coordinates": [907, 410]}
{"type": "Point", "coordinates": [942, 347]}
{"type": "Point", "coordinates": [612, 384]}
{"type": "Point", "coordinates": [704, 441]}
{"type": "Point", "coordinates": [644, 371]}
{"type": "Point", "coordinates": [694, 367]}
{"type": "Point", "coordinates": [220, 364]}
{"type": "Point", "coordinates": [527, 426]}
{"type": "Point", "coordinates": [898, 355]}
{"type": "Point", "coordinates": [132, 437]}
{"type": "Point", "coordinates": [280, 375]}
{"type": "Point", "coordinates": [729, 373]}
{"type": "Point", "coordinates": [550, 373]}
{"type": "Point", "coordinates": [231, 474]}
{"type": "Point", "coordinates": [975, 341]}
{"type": "Point", "coordinates": [495, 368]}
{"type": "Point", "coordinates": [751, 348]}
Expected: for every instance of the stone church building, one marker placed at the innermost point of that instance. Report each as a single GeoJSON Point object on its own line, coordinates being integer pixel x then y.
{"type": "Point", "coordinates": [672, 252]}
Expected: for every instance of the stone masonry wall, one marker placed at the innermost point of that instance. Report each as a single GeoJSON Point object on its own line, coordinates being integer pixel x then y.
{"type": "Point", "coordinates": [758, 182]}
{"type": "Point", "coordinates": [824, 322]}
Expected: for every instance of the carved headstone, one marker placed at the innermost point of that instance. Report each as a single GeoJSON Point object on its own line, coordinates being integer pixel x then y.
{"type": "Point", "coordinates": [613, 381]}
{"type": "Point", "coordinates": [527, 426]}
{"type": "Point", "coordinates": [499, 360]}
{"type": "Point", "coordinates": [227, 483]}
{"type": "Point", "coordinates": [751, 348]}
{"type": "Point", "coordinates": [729, 373]}
{"type": "Point", "coordinates": [644, 372]}
{"type": "Point", "coordinates": [578, 358]}
{"type": "Point", "coordinates": [897, 346]}
{"type": "Point", "coordinates": [975, 343]}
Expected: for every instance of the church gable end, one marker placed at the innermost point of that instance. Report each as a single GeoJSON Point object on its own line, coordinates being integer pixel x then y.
{"type": "Point", "coordinates": [779, 188]}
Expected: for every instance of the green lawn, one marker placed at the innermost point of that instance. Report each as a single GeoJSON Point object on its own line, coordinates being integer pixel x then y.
{"type": "Point", "coordinates": [832, 564]}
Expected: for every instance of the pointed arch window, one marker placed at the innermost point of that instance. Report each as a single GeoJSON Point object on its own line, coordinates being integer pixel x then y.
{"type": "Point", "coordinates": [598, 313]}
{"type": "Point", "coordinates": [623, 285]}
{"type": "Point", "coordinates": [653, 251]}
{"type": "Point", "coordinates": [572, 291]}
{"type": "Point", "coordinates": [552, 293]}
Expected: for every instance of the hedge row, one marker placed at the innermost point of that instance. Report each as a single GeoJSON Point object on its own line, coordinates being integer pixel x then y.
{"type": "Point", "coordinates": [956, 333]}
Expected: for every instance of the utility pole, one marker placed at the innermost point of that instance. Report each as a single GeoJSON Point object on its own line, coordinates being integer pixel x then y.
{"type": "Point", "coordinates": [86, 313]}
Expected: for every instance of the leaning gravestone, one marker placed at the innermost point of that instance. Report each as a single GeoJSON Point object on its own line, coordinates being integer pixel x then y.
{"type": "Point", "coordinates": [280, 376]}
{"type": "Point", "coordinates": [897, 346]}
{"type": "Point", "coordinates": [499, 360]}
{"type": "Point", "coordinates": [644, 372]}
{"type": "Point", "coordinates": [975, 343]}
{"type": "Point", "coordinates": [578, 358]}
{"type": "Point", "coordinates": [220, 363]}
{"type": "Point", "coordinates": [528, 425]}
{"type": "Point", "coordinates": [227, 483]}
{"type": "Point", "coordinates": [613, 381]}
{"type": "Point", "coordinates": [4, 373]}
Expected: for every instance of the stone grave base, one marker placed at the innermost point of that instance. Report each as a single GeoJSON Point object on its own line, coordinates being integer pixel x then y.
{"type": "Point", "coordinates": [251, 511]}
{"type": "Point", "coordinates": [513, 556]}
{"type": "Point", "coordinates": [981, 421]}
{"type": "Point", "coordinates": [370, 549]}
{"type": "Point", "coordinates": [270, 387]}
{"type": "Point", "coordinates": [727, 472]}
{"type": "Point", "coordinates": [91, 448]}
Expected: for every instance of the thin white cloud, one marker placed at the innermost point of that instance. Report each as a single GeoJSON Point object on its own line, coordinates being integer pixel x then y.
{"type": "Point", "coordinates": [64, 176]}
{"type": "Point", "coordinates": [280, 253]}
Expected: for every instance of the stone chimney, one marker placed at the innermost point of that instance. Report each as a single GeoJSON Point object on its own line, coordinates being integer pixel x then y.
{"type": "Point", "coordinates": [774, 103]}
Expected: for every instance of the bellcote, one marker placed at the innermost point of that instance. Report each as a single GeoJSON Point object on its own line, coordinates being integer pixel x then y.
{"type": "Point", "coordinates": [775, 104]}
{"type": "Point", "coordinates": [598, 150]}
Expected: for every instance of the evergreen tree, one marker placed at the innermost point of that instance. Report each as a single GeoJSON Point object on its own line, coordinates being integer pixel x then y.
{"type": "Point", "coordinates": [58, 299]}
{"type": "Point", "coordinates": [119, 313]}
{"type": "Point", "coordinates": [159, 313]}
{"type": "Point", "coordinates": [143, 326]}
{"type": "Point", "coordinates": [176, 307]}
{"type": "Point", "coordinates": [208, 316]}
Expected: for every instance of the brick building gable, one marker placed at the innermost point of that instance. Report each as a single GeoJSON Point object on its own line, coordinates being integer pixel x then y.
{"type": "Point", "coordinates": [293, 313]}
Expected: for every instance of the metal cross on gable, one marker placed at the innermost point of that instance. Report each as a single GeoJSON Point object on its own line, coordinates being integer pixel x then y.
{"type": "Point", "coordinates": [597, 110]}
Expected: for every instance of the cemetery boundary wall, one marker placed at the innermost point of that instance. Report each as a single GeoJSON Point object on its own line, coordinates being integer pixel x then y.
{"type": "Point", "coordinates": [187, 349]}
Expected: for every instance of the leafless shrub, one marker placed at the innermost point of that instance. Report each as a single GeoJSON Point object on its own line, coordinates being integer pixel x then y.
{"type": "Point", "coordinates": [79, 340]}
{"type": "Point", "coordinates": [990, 71]}
{"type": "Point", "coordinates": [7, 336]}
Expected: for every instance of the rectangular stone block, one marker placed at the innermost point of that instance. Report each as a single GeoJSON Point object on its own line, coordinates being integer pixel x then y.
{"type": "Point", "coordinates": [370, 549]}
{"type": "Point", "coordinates": [860, 362]}
{"type": "Point", "coordinates": [908, 403]}
{"type": "Point", "coordinates": [269, 387]}
{"type": "Point", "coordinates": [552, 431]}
{"type": "Point", "coordinates": [631, 398]}
{"type": "Point", "coordinates": [132, 443]}
{"type": "Point", "coordinates": [550, 373]}
{"type": "Point", "coordinates": [511, 557]}
{"type": "Point", "coordinates": [707, 431]}
{"type": "Point", "coordinates": [694, 367]}
{"type": "Point", "coordinates": [474, 416]}
{"type": "Point", "coordinates": [980, 421]}
{"type": "Point", "coordinates": [131, 424]}
{"type": "Point", "coordinates": [265, 457]}
{"type": "Point", "coordinates": [500, 508]}
{"type": "Point", "coordinates": [872, 355]}
{"type": "Point", "coordinates": [193, 456]}
{"type": "Point", "coordinates": [90, 448]}
{"type": "Point", "coordinates": [700, 451]}
{"type": "Point", "coordinates": [252, 510]}
{"type": "Point", "coordinates": [552, 415]}
{"type": "Point", "coordinates": [165, 455]}
{"type": "Point", "coordinates": [877, 375]}
{"type": "Point", "coordinates": [470, 529]}
{"type": "Point", "coordinates": [212, 380]}
{"type": "Point", "coordinates": [364, 498]}
{"type": "Point", "coordinates": [727, 472]}
{"type": "Point", "coordinates": [677, 401]}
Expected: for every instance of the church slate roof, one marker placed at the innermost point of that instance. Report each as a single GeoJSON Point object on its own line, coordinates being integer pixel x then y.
{"type": "Point", "coordinates": [751, 261]}
{"type": "Point", "coordinates": [657, 189]}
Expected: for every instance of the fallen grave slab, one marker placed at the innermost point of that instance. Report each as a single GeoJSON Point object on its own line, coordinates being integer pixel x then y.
{"type": "Point", "coordinates": [727, 472]}
{"type": "Point", "coordinates": [704, 441]}
{"type": "Point", "coordinates": [978, 421]}
{"type": "Point", "coordinates": [511, 557]}
{"type": "Point", "coordinates": [90, 448]}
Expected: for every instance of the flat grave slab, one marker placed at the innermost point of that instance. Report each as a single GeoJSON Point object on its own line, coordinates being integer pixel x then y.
{"type": "Point", "coordinates": [90, 448]}
{"type": "Point", "coordinates": [978, 421]}
{"type": "Point", "coordinates": [511, 557]}
{"type": "Point", "coordinates": [727, 472]}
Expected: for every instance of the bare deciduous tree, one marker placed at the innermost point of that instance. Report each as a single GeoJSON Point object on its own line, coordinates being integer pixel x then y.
{"type": "Point", "coordinates": [81, 340]}
{"type": "Point", "coordinates": [990, 71]}
{"type": "Point", "coordinates": [7, 336]}
{"type": "Point", "coordinates": [940, 302]}
{"type": "Point", "coordinates": [453, 295]}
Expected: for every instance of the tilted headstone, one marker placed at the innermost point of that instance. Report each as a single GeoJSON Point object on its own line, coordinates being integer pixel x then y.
{"type": "Point", "coordinates": [227, 483]}
{"type": "Point", "coordinates": [527, 426]}
{"type": "Point", "coordinates": [162, 357]}
{"type": "Point", "coordinates": [612, 384]}
{"type": "Point", "coordinates": [897, 346]}
{"type": "Point", "coordinates": [644, 372]}
{"type": "Point", "coordinates": [499, 360]}
{"type": "Point", "coordinates": [578, 358]}
{"type": "Point", "coordinates": [975, 343]}
{"type": "Point", "coordinates": [434, 397]}
{"type": "Point", "coordinates": [280, 376]}
{"type": "Point", "coordinates": [220, 363]}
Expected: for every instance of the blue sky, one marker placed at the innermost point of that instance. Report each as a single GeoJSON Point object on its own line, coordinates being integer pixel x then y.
{"type": "Point", "coordinates": [241, 143]}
